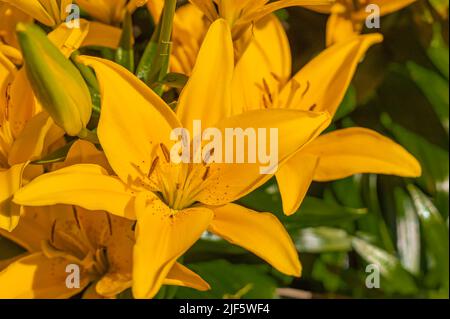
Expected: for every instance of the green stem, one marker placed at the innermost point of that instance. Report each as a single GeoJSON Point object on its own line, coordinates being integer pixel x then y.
{"type": "Point", "coordinates": [160, 65]}
{"type": "Point", "coordinates": [89, 136]}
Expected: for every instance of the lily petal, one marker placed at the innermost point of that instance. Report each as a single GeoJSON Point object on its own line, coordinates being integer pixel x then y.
{"type": "Point", "coordinates": [34, 227]}
{"type": "Point", "coordinates": [266, 64]}
{"type": "Point", "coordinates": [102, 35]}
{"type": "Point", "coordinates": [22, 104]}
{"type": "Point", "coordinates": [85, 185]}
{"type": "Point", "coordinates": [128, 103]}
{"type": "Point", "coordinates": [35, 9]}
{"type": "Point", "coordinates": [38, 134]}
{"type": "Point", "coordinates": [229, 182]}
{"type": "Point", "coordinates": [36, 276]}
{"type": "Point", "coordinates": [69, 39]}
{"type": "Point", "coordinates": [261, 233]}
{"type": "Point", "coordinates": [321, 85]}
{"type": "Point", "coordinates": [162, 238]}
{"type": "Point", "coordinates": [182, 276]}
{"type": "Point", "coordinates": [357, 150]}
{"type": "Point", "coordinates": [294, 179]}
{"type": "Point", "coordinates": [207, 95]}
{"type": "Point", "coordinates": [11, 181]}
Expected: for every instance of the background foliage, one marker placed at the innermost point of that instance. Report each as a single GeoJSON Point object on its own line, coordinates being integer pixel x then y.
{"type": "Point", "coordinates": [400, 90]}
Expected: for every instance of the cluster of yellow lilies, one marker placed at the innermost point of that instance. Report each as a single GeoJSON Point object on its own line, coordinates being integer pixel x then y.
{"type": "Point", "coordinates": [115, 205]}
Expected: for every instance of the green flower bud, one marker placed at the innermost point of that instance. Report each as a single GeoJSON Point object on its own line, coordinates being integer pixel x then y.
{"type": "Point", "coordinates": [56, 82]}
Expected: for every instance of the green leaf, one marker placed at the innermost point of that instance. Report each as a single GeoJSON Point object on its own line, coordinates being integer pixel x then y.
{"type": "Point", "coordinates": [438, 51]}
{"type": "Point", "coordinates": [436, 235]}
{"type": "Point", "coordinates": [8, 249]}
{"type": "Point", "coordinates": [349, 104]}
{"type": "Point", "coordinates": [175, 80]}
{"type": "Point", "coordinates": [396, 278]}
{"type": "Point", "coordinates": [232, 281]}
{"type": "Point", "coordinates": [125, 52]}
{"type": "Point", "coordinates": [323, 240]}
{"type": "Point", "coordinates": [408, 231]}
{"type": "Point", "coordinates": [433, 159]}
{"type": "Point", "coordinates": [435, 88]}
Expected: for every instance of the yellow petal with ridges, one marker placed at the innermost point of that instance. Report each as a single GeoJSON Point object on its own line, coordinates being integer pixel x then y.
{"type": "Point", "coordinates": [261, 233]}
{"type": "Point", "coordinates": [321, 85]}
{"type": "Point", "coordinates": [85, 185]}
{"type": "Point", "coordinates": [228, 182]}
{"type": "Point", "coordinates": [36, 276]}
{"type": "Point", "coordinates": [182, 276]}
{"type": "Point", "coordinates": [357, 150]}
{"type": "Point", "coordinates": [162, 236]}
{"type": "Point", "coordinates": [207, 95]}
{"type": "Point", "coordinates": [294, 179]}
{"type": "Point", "coordinates": [127, 104]}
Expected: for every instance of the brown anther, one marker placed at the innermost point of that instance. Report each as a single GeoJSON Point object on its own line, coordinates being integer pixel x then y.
{"type": "Point", "coordinates": [75, 216]}
{"type": "Point", "coordinates": [313, 107]}
{"type": "Point", "coordinates": [52, 234]}
{"type": "Point", "coordinates": [205, 175]}
{"type": "Point", "coordinates": [267, 89]}
{"type": "Point", "coordinates": [108, 219]}
{"type": "Point", "coordinates": [308, 85]}
{"type": "Point", "coordinates": [165, 152]}
{"type": "Point", "coordinates": [153, 167]}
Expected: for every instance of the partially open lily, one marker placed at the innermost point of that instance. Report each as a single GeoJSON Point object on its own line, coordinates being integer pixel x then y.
{"type": "Point", "coordinates": [109, 11]}
{"type": "Point", "coordinates": [101, 245]}
{"type": "Point", "coordinates": [263, 81]}
{"type": "Point", "coordinates": [192, 20]}
{"type": "Point", "coordinates": [174, 204]}
{"type": "Point", "coordinates": [347, 17]}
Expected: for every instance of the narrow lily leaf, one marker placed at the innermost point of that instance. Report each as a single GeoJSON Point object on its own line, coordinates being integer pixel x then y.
{"type": "Point", "coordinates": [434, 161]}
{"type": "Point", "coordinates": [435, 233]}
{"type": "Point", "coordinates": [323, 240]}
{"type": "Point", "coordinates": [435, 88]}
{"type": "Point", "coordinates": [55, 157]}
{"type": "Point", "coordinates": [175, 80]}
{"type": "Point", "coordinates": [397, 279]}
{"type": "Point", "coordinates": [348, 105]}
{"type": "Point", "coordinates": [146, 62]}
{"type": "Point", "coordinates": [125, 51]}
{"type": "Point", "coordinates": [408, 231]}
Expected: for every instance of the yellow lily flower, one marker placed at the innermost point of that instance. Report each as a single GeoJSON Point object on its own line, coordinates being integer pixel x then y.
{"type": "Point", "coordinates": [263, 80]}
{"type": "Point", "coordinates": [174, 204]}
{"type": "Point", "coordinates": [109, 11]}
{"type": "Point", "coordinates": [193, 20]}
{"type": "Point", "coordinates": [48, 12]}
{"type": "Point", "coordinates": [347, 17]}
{"type": "Point", "coordinates": [101, 245]}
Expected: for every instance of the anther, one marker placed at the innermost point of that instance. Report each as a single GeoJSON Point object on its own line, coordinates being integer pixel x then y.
{"type": "Point", "coordinates": [165, 152]}
{"type": "Point", "coordinates": [153, 167]}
